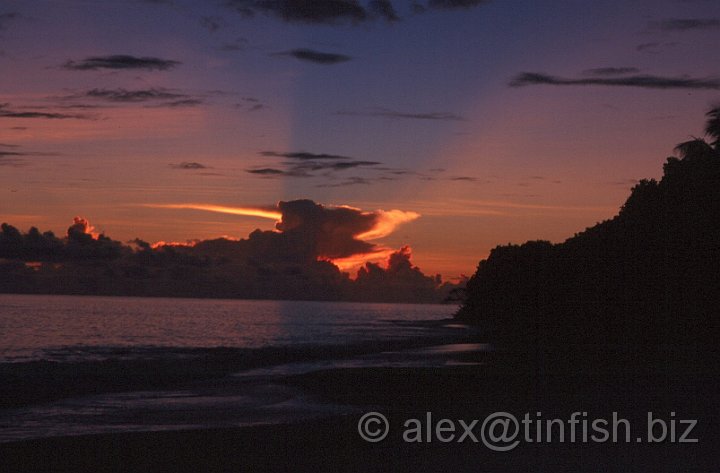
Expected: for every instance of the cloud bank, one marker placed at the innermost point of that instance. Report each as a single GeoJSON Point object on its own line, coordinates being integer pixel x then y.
{"type": "Point", "coordinates": [317, 57]}
{"type": "Point", "coordinates": [340, 11]}
{"type": "Point", "coordinates": [642, 81]}
{"type": "Point", "coordinates": [296, 260]}
{"type": "Point", "coordinates": [121, 62]}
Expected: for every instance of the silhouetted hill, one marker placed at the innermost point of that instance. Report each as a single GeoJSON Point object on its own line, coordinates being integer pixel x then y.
{"type": "Point", "coordinates": [647, 278]}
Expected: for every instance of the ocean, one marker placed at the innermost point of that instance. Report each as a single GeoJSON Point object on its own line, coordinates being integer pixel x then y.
{"type": "Point", "coordinates": [72, 365]}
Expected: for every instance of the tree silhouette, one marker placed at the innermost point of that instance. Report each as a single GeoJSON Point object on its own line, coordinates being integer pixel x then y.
{"type": "Point", "coordinates": [645, 279]}
{"type": "Point", "coordinates": [712, 127]}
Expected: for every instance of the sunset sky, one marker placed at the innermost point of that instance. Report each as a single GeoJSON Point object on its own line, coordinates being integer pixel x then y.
{"type": "Point", "coordinates": [479, 122]}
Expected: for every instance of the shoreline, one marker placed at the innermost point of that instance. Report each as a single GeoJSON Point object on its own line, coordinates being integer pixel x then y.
{"type": "Point", "coordinates": [332, 443]}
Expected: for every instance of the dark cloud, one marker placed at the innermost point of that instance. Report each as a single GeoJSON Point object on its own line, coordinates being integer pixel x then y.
{"type": "Point", "coordinates": [294, 261]}
{"type": "Point", "coordinates": [266, 171]}
{"type": "Point", "coordinates": [6, 112]}
{"type": "Point", "coordinates": [303, 11]}
{"type": "Point", "coordinates": [304, 164]}
{"type": "Point", "coordinates": [311, 166]}
{"type": "Point", "coordinates": [11, 158]}
{"type": "Point", "coordinates": [250, 104]}
{"type": "Point", "coordinates": [463, 178]}
{"type": "Point", "coordinates": [686, 24]}
{"type": "Point", "coordinates": [383, 112]}
{"type": "Point", "coordinates": [181, 103]}
{"type": "Point", "coordinates": [124, 95]}
{"type": "Point", "coordinates": [157, 97]}
{"type": "Point", "coordinates": [611, 71]}
{"type": "Point", "coordinates": [10, 153]}
{"type": "Point", "coordinates": [644, 81]}
{"type": "Point", "coordinates": [348, 164]}
{"type": "Point", "coordinates": [454, 4]}
{"type": "Point", "coordinates": [121, 61]}
{"type": "Point", "coordinates": [317, 57]}
{"type": "Point", "coordinates": [188, 165]}
{"type": "Point", "coordinates": [326, 232]}
{"type": "Point", "coordinates": [341, 11]}
{"type": "Point", "coordinates": [302, 155]}
{"type": "Point", "coordinates": [398, 281]}
{"type": "Point", "coordinates": [80, 244]}
{"type": "Point", "coordinates": [384, 8]}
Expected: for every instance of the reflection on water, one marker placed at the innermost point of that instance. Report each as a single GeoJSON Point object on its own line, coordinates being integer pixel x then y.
{"type": "Point", "coordinates": [83, 365]}
{"type": "Point", "coordinates": [41, 327]}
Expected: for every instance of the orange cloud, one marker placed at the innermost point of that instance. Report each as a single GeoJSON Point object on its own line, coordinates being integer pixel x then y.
{"type": "Point", "coordinates": [352, 263]}
{"type": "Point", "coordinates": [247, 211]}
{"type": "Point", "coordinates": [335, 233]}
{"type": "Point", "coordinates": [82, 225]}
{"type": "Point", "coordinates": [160, 244]}
{"type": "Point", "coordinates": [386, 222]}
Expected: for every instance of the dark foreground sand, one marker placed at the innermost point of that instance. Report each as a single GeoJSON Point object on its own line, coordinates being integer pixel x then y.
{"type": "Point", "coordinates": [466, 392]}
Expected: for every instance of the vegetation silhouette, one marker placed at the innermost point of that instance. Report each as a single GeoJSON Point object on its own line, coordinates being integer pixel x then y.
{"type": "Point", "coordinates": [641, 282]}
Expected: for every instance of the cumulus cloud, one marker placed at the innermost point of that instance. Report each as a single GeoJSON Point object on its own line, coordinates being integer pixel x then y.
{"type": "Point", "coordinates": [316, 230]}
{"type": "Point", "coordinates": [302, 258]}
{"type": "Point", "coordinates": [326, 232]}
{"type": "Point", "coordinates": [643, 81]}
{"type": "Point", "coordinates": [81, 226]}
{"type": "Point", "coordinates": [317, 57]}
{"type": "Point", "coordinates": [121, 62]}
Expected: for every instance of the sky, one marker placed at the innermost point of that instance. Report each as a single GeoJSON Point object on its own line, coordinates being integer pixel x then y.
{"type": "Point", "coordinates": [468, 123]}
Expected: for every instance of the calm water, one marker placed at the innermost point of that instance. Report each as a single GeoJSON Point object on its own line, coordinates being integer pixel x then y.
{"type": "Point", "coordinates": [77, 365]}
{"type": "Point", "coordinates": [78, 327]}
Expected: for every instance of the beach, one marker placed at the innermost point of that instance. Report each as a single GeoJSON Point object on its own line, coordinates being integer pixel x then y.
{"type": "Point", "coordinates": [333, 443]}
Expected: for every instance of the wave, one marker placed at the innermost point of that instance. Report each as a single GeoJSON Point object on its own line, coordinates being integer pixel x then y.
{"type": "Point", "coordinates": [64, 372]}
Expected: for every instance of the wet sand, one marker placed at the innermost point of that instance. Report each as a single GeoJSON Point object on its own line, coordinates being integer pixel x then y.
{"type": "Point", "coordinates": [461, 392]}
